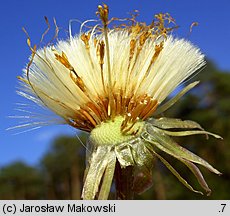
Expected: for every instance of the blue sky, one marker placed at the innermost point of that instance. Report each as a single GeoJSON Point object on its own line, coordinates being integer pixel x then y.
{"type": "Point", "coordinates": [212, 36]}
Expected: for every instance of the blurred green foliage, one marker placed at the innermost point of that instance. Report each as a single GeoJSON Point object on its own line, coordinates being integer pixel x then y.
{"type": "Point", "coordinates": [20, 181]}
{"type": "Point", "coordinates": [61, 170]}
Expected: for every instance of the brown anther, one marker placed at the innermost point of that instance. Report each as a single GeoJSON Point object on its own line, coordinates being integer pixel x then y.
{"type": "Point", "coordinates": [96, 109]}
{"type": "Point", "coordinates": [128, 129]}
{"type": "Point", "coordinates": [85, 38]}
{"type": "Point", "coordinates": [73, 75]}
{"type": "Point", "coordinates": [117, 98]}
{"type": "Point", "coordinates": [135, 30]}
{"type": "Point", "coordinates": [78, 81]}
{"type": "Point", "coordinates": [151, 109]}
{"type": "Point", "coordinates": [80, 121]}
{"type": "Point", "coordinates": [104, 105]}
{"type": "Point", "coordinates": [88, 117]}
{"type": "Point", "coordinates": [91, 110]}
{"type": "Point", "coordinates": [125, 121]}
{"type": "Point", "coordinates": [101, 52]}
{"type": "Point", "coordinates": [137, 111]}
{"type": "Point", "coordinates": [132, 48]}
{"type": "Point", "coordinates": [148, 106]}
{"type": "Point", "coordinates": [64, 60]}
{"type": "Point", "coordinates": [95, 41]}
{"type": "Point", "coordinates": [125, 103]}
{"type": "Point", "coordinates": [103, 12]}
{"type": "Point", "coordinates": [161, 28]}
{"type": "Point", "coordinates": [158, 49]}
{"type": "Point", "coordinates": [144, 36]}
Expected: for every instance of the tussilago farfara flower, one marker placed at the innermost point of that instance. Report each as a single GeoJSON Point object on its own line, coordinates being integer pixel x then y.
{"type": "Point", "coordinates": [111, 82]}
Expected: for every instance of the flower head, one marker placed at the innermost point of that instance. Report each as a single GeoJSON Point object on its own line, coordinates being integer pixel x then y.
{"type": "Point", "coordinates": [111, 82]}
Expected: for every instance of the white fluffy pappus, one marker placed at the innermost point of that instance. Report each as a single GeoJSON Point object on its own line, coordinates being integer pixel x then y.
{"type": "Point", "coordinates": [54, 83]}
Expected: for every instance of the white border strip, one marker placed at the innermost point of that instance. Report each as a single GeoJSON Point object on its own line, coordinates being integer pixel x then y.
{"type": "Point", "coordinates": [116, 207]}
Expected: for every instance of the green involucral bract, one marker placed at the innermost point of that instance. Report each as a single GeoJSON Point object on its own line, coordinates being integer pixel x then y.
{"type": "Point", "coordinates": [109, 145]}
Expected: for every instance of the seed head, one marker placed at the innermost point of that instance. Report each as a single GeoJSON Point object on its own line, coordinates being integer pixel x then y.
{"type": "Point", "coordinates": [111, 82]}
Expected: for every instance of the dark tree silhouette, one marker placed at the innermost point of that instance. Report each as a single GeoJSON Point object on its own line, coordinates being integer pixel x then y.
{"type": "Point", "coordinates": [63, 168]}
{"type": "Point", "coordinates": [20, 181]}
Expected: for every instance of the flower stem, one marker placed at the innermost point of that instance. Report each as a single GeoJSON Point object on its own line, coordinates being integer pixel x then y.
{"type": "Point", "coordinates": [124, 182]}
